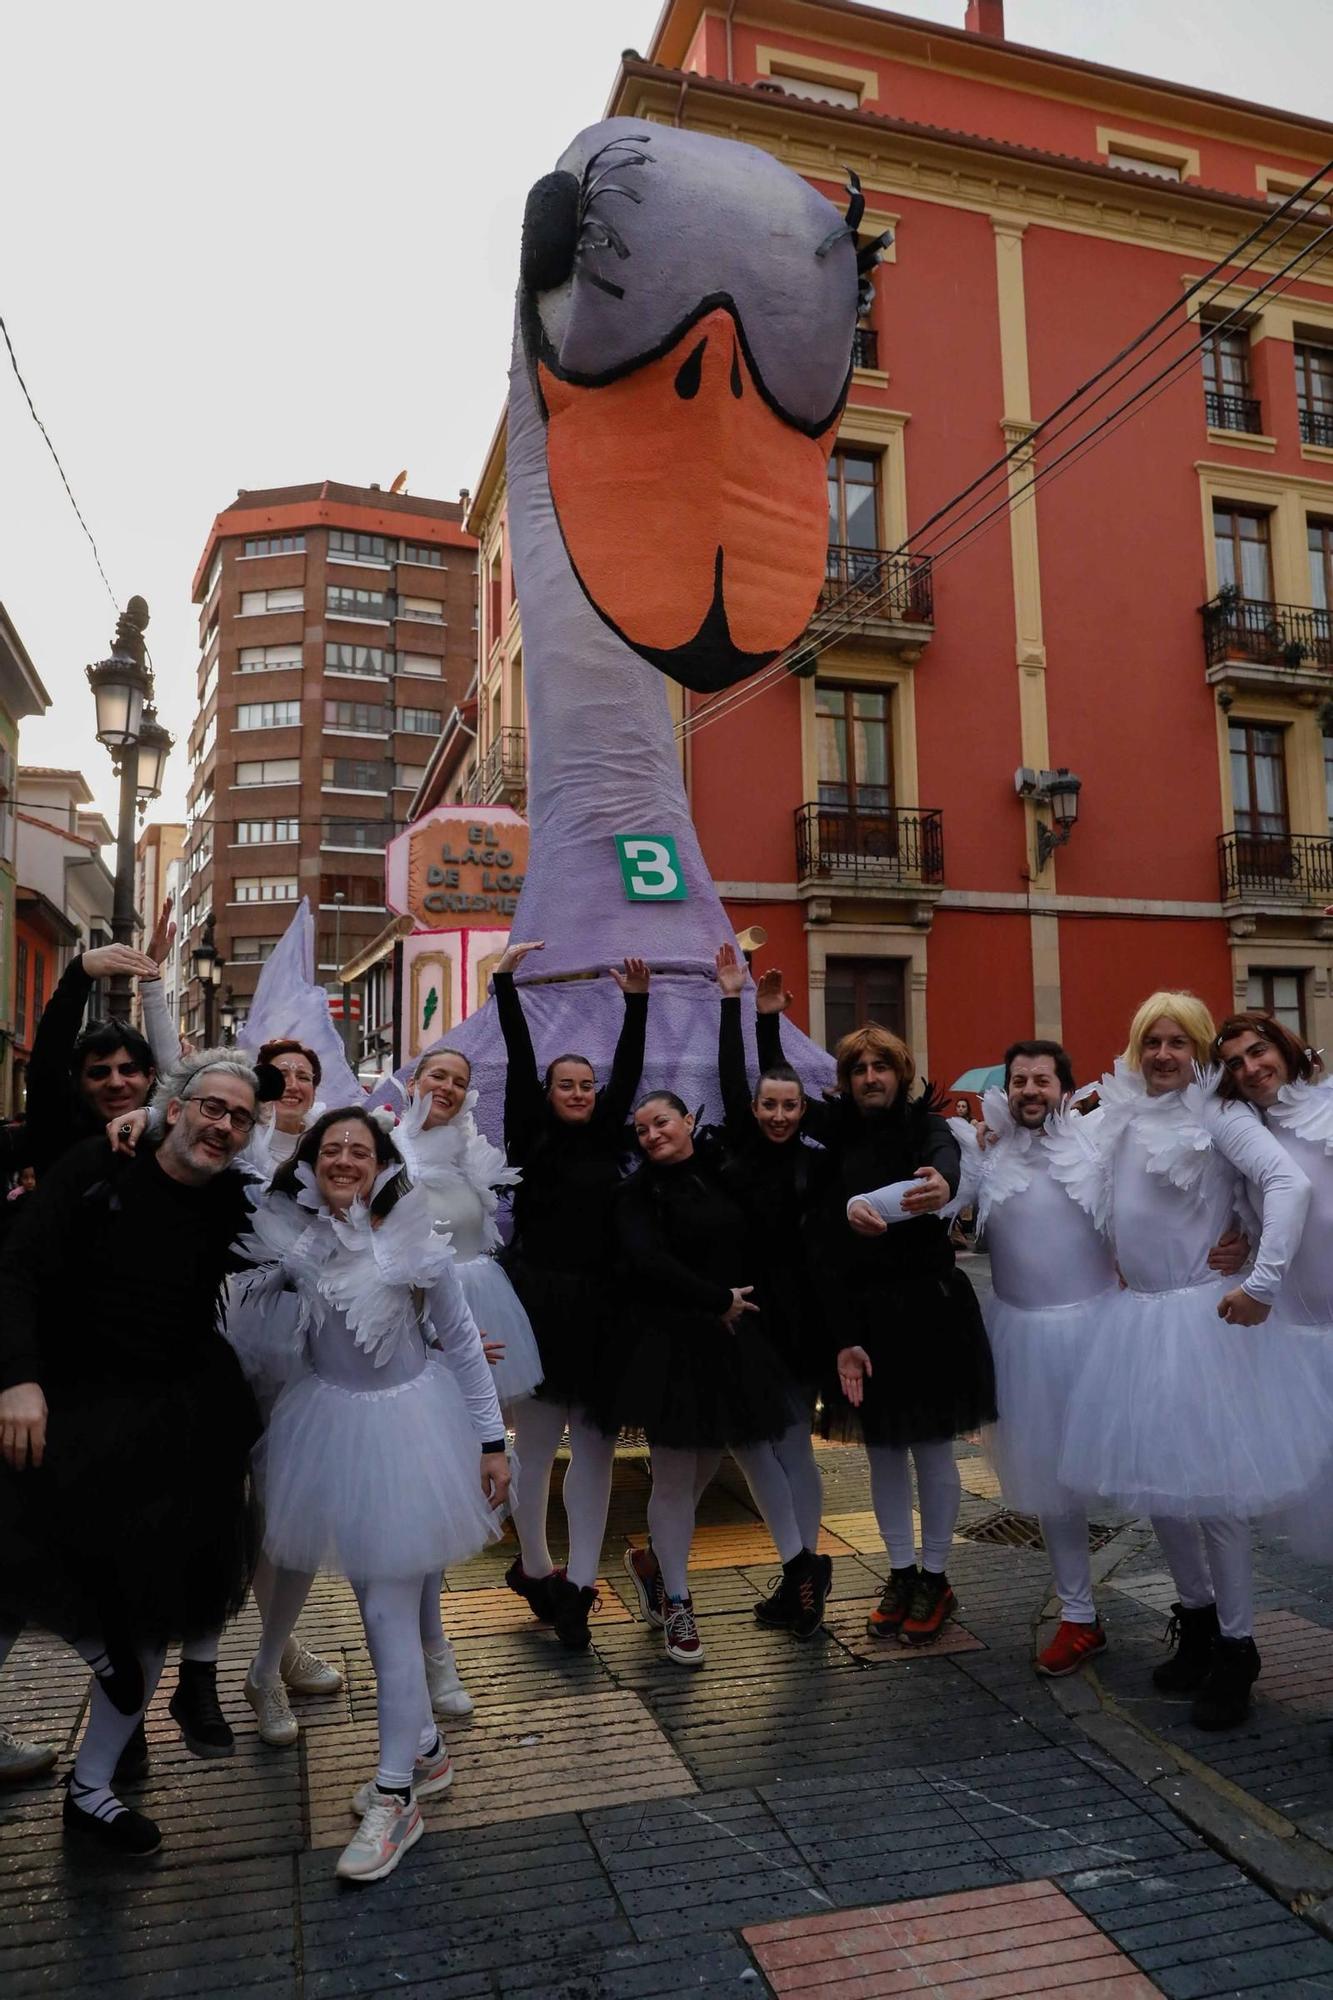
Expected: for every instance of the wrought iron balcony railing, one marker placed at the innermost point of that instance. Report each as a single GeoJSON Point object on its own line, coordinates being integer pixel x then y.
{"type": "Point", "coordinates": [865, 348]}
{"type": "Point", "coordinates": [1231, 413]}
{"type": "Point", "coordinates": [898, 844]}
{"type": "Point", "coordinates": [501, 776]}
{"type": "Point", "coordinates": [874, 583]}
{"type": "Point", "coordinates": [1276, 867]}
{"type": "Point", "coordinates": [1317, 427]}
{"type": "Point", "coordinates": [1277, 635]}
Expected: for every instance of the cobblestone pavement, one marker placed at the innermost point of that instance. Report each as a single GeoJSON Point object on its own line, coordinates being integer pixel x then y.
{"type": "Point", "coordinates": [830, 1818]}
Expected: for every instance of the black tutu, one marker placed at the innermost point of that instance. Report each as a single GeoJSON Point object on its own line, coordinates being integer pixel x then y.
{"type": "Point", "coordinates": [568, 1314]}
{"type": "Point", "coordinates": [796, 1324]}
{"type": "Point", "coordinates": [139, 1524]}
{"type": "Point", "coordinates": [932, 1377]}
{"type": "Point", "coordinates": [691, 1383]}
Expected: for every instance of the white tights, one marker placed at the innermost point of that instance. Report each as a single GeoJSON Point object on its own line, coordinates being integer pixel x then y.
{"type": "Point", "coordinates": [106, 1733]}
{"type": "Point", "coordinates": [538, 1429]}
{"type": "Point", "coordinates": [1210, 1564]}
{"type": "Point", "coordinates": [1066, 1539]}
{"type": "Point", "coordinates": [679, 1477]}
{"type": "Point", "coordinates": [940, 1494]}
{"type": "Point", "coordinates": [391, 1615]}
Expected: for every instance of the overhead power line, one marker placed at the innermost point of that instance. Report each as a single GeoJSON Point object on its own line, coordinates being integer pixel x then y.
{"type": "Point", "coordinates": [13, 361]}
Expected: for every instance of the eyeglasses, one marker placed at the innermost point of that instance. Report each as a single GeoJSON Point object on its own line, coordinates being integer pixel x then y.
{"type": "Point", "coordinates": [218, 1112]}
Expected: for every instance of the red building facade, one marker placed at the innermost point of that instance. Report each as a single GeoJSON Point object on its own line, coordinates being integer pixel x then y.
{"type": "Point", "coordinates": [1157, 619]}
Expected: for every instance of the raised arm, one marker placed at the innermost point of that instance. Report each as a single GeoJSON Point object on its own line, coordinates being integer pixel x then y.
{"type": "Point", "coordinates": [737, 1117]}
{"type": "Point", "coordinates": [158, 1026]}
{"type": "Point", "coordinates": [771, 1001]}
{"type": "Point", "coordinates": [617, 1100]}
{"type": "Point", "coordinates": [525, 1104]}
{"type": "Point", "coordinates": [49, 1120]}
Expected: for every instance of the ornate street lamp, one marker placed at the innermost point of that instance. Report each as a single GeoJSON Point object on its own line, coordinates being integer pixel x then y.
{"type": "Point", "coordinates": [1058, 791]}
{"type": "Point", "coordinates": [155, 746]}
{"type": "Point", "coordinates": [122, 688]}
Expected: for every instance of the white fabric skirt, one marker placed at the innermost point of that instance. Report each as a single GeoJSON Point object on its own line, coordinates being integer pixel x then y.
{"type": "Point", "coordinates": [1038, 1354]}
{"type": "Point", "coordinates": [372, 1483]}
{"type": "Point", "coordinates": [1177, 1412]}
{"type": "Point", "coordinates": [1309, 1521]}
{"type": "Point", "coordinates": [495, 1306]}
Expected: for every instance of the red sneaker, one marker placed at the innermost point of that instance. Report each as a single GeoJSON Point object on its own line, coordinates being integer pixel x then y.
{"type": "Point", "coordinates": [642, 1569]}
{"type": "Point", "coordinates": [1070, 1648]}
{"type": "Point", "coordinates": [931, 1603]}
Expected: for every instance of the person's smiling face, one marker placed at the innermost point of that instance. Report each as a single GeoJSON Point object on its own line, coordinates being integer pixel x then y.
{"type": "Point", "coordinates": [1259, 1068]}
{"type": "Point", "coordinates": [1167, 1057]}
{"type": "Point", "coordinates": [345, 1164]}
{"type": "Point", "coordinates": [445, 1080]}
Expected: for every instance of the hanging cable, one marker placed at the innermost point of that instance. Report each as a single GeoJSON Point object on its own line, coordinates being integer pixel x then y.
{"type": "Point", "coordinates": [13, 360]}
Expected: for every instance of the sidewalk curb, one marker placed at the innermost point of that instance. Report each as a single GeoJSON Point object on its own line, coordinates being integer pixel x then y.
{"type": "Point", "coordinates": [1295, 1869]}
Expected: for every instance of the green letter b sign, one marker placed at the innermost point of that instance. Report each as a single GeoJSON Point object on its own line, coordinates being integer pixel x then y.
{"type": "Point", "coordinates": [650, 868]}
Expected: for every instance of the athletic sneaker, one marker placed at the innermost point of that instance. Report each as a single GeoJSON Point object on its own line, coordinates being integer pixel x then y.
{"type": "Point", "coordinates": [571, 1605]}
{"type": "Point", "coordinates": [389, 1826]}
{"type": "Point", "coordinates": [536, 1591]}
{"type": "Point", "coordinates": [642, 1570]}
{"type": "Point", "coordinates": [304, 1671]}
{"type": "Point", "coordinates": [810, 1576]}
{"type": "Point", "coordinates": [931, 1603]}
{"type": "Point", "coordinates": [194, 1705]}
{"type": "Point", "coordinates": [1072, 1647]}
{"type": "Point", "coordinates": [681, 1632]}
{"type": "Point", "coordinates": [885, 1621]}
{"type": "Point", "coordinates": [273, 1711]}
{"type": "Point", "coordinates": [431, 1774]}
{"type": "Point", "coordinates": [448, 1696]}
{"type": "Point", "coordinates": [19, 1761]}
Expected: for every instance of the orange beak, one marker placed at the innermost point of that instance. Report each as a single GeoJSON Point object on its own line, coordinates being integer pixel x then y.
{"type": "Point", "coordinates": [695, 517]}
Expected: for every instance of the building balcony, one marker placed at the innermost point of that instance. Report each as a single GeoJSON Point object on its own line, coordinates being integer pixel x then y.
{"type": "Point", "coordinates": [1232, 413]}
{"type": "Point", "coordinates": [1252, 643]}
{"type": "Point", "coordinates": [876, 596]}
{"type": "Point", "coordinates": [1317, 428]}
{"type": "Point", "coordinates": [1277, 873]}
{"type": "Point", "coordinates": [500, 777]}
{"type": "Point", "coordinates": [865, 348]}
{"type": "Point", "coordinates": [894, 854]}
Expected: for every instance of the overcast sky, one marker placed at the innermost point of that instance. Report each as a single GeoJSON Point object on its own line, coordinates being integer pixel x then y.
{"type": "Point", "coordinates": [277, 241]}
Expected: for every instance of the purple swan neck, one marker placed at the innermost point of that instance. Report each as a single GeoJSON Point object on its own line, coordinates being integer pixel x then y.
{"type": "Point", "coordinates": [602, 756]}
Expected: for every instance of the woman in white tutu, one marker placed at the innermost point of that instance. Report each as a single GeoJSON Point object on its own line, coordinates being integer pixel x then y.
{"type": "Point", "coordinates": [384, 1456]}
{"type": "Point", "coordinates": [1188, 1407]}
{"type": "Point", "coordinates": [458, 1169]}
{"type": "Point", "coordinates": [1266, 1066]}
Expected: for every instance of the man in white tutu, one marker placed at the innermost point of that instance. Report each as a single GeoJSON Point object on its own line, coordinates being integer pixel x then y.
{"type": "Point", "coordinates": [1193, 1405]}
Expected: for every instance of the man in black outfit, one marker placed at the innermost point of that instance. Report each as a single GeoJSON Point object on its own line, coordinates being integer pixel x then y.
{"type": "Point", "coordinates": [78, 1082]}
{"type": "Point", "coordinates": [125, 1422]}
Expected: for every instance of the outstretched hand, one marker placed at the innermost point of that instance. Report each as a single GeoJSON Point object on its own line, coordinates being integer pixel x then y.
{"type": "Point", "coordinates": [164, 934]}
{"type": "Point", "coordinates": [513, 955]}
{"type": "Point", "coordinates": [634, 979]}
{"type": "Point", "coordinates": [770, 996]}
{"type": "Point", "coordinates": [730, 971]}
{"type": "Point", "coordinates": [853, 1369]}
{"type": "Point", "coordinates": [105, 959]}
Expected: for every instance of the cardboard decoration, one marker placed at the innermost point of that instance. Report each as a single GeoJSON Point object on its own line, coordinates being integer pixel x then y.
{"type": "Point", "coordinates": [682, 352]}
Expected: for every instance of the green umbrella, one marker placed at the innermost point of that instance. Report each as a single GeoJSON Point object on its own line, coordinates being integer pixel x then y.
{"type": "Point", "coordinates": [977, 1080]}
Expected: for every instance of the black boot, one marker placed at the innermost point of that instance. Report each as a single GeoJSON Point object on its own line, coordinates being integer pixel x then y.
{"type": "Point", "coordinates": [808, 1576]}
{"type": "Point", "coordinates": [125, 1832]}
{"type": "Point", "coordinates": [132, 1763]}
{"type": "Point", "coordinates": [537, 1592]}
{"type": "Point", "coordinates": [774, 1612]}
{"type": "Point", "coordinates": [1224, 1698]}
{"type": "Point", "coordinates": [570, 1605]}
{"type": "Point", "coordinates": [195, 1707]}
{"type": "Point", "coordinates": [1194, 1634]}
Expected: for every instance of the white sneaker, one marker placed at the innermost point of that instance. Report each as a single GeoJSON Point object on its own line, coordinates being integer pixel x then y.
{"type": "Point", "coordinates": [26, 1760]}
{"type": "Point", "coordinates": [304, 1671]}
{"type": "Point", "coordinates": [388, 1828]}
{"type": "Point", "coordinates": [273, 1711]}
{"type": "Point", "coordinates": [448, 1696]}
{"type": "Point", "coordinates": [430, 1775]}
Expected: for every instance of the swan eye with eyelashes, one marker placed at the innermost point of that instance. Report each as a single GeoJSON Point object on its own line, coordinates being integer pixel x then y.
{"type": "Point", "coordinates": [551, 227]}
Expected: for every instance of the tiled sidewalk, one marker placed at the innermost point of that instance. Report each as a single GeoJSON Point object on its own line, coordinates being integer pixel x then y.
{"type": "Point", "coordinates": [823, 1818]}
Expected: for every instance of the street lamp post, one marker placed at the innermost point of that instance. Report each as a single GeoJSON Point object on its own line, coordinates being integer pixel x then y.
{"type": "Point", "coordinates": [127, 724]}
{"type": "Point", "coordinates": [344, 1024]}
{"type": "Point", "coordinates": [206, 966]}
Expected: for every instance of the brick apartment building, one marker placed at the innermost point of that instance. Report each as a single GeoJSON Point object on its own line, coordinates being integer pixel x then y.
{"type": "Point", "coordinates": [336, 634]}
{"type": "Point", "coordinates": [1159, 620]}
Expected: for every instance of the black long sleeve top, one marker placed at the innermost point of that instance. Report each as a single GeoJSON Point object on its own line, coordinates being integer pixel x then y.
{"type": "Point", "coordinates": [776, 1184]}
{"type": "Point", "coordinates": [113, 1274]}
{"type": "Point", "coordinates": [684, 1241]}
{"type": "Point", "coordinates": [56, 1116]}
{"type": "Point", "coordinates": [570, 1172]}
{"type": "Point", "coordinates": [866, 1151]}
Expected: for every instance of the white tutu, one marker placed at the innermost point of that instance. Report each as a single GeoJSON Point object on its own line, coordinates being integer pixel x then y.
{"type": "Point", "coordinates": [373, 1483]}
{"type": "Point", "coordinates": [494, 1305]}
{"type": "Point", "coordinates": [1177, 1412]}
{"type": "Point", "coordinates": [1308, 1522]}
{"type": "Point", "coordinates": [1039, 1353]}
